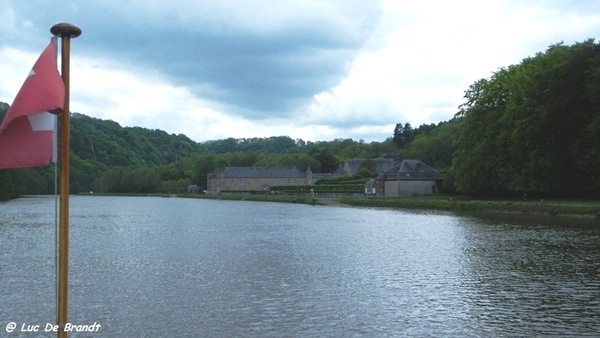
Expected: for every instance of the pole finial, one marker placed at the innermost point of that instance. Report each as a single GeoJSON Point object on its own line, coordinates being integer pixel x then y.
{"type": "Point", "coordinates": [65, 29]}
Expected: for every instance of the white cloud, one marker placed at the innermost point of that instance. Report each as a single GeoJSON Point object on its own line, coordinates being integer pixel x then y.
{"type": "Point", "coordinates": [368, 68]}
{"type": "Point", "coordinates": [15, 65]}
{"type": "Point", "coordinates": [424, 55]}
{"type": "Point", "coordinates": [136, 97]}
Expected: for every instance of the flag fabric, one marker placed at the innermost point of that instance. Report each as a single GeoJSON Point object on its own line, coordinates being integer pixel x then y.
{"type": "Point", "coordinates": [27, 132]}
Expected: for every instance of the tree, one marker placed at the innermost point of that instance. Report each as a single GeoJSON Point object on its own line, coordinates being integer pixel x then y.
{"type": "Point", "coordinates": [11, 183]}
{"type": "Point", "coordinates": [436, 146]}
{"type": "Point", "coordinates": [402, 135]}
{"type": "Point", "coordinates": [533, 126]}
{"type": "Point", "coordinates": [328, 163]}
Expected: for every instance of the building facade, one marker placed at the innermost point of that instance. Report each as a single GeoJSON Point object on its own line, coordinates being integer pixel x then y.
{"type": "Point", "coordinates": [408, 178]}
{"type": "Point", "coordinates": [236, 179]}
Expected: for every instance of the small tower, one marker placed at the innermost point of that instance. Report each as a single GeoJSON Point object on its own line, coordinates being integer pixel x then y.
{"type": "Point", "coordinates": [308, 176]}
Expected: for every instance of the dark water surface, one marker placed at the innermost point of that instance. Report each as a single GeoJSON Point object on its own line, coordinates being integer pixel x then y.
{"type": "Point", "coordinates": [158, 267]}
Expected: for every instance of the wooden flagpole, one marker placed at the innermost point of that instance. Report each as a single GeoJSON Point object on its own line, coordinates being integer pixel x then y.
{"type": "Point", "coordinates": [66, 32]}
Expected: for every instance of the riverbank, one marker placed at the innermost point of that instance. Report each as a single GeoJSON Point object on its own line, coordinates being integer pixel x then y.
{"type": "Point", "coordinates": [258, 198]}
{"type": "Point", "coordinates": [573, 208]}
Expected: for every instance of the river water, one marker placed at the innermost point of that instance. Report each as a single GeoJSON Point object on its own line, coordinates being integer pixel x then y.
{"type": "Point", "coordinates": [158, 267]}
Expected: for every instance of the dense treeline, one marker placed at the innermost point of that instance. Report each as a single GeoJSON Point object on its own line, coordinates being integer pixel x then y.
{"type": "Point", "coordinates": [534, 127]}
{"type": "Point", "coordinates": [321, 157]}
{"type": "Point", "coordinates": [106, 157]}
{"type": "Point", "coordinates": [16, 182]}
{"type": "Point", "coordinates": [97, 145]}
{"type": "Point", "coordinates": [531, 128]}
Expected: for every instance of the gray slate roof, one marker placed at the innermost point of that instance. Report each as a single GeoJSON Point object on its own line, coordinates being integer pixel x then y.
{"type": "Point", "coordinates": [381, 164]}
{"type": "Point", "coordinates": [262, 172]}
{"type": "Point", "coordinates": [412, 170]}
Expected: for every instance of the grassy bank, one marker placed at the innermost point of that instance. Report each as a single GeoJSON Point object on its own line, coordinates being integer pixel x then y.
{"type": "Point", "coordinates": [583, 208]}
{"type": "Point", "coordinates": [233, 197]}
{"type": "Point", "coordinates": [454, 203]}
{"type": "Point", "coordinates": [258, 198]}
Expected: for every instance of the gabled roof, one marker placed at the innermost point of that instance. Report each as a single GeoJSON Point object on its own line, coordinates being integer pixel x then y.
{"type": "Point", "coordinates": [353, 165]}
{"type": "Point", "coordinates": [412, 170]}
{"type": "Point", "coordinates": [381, 164]}
{"type": "Point", "coordinates": [384, 164]}
{"type": "Point", "coordinates": [262, 172]}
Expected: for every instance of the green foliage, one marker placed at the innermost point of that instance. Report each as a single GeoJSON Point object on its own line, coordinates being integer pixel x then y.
{"type": "Point", "coordinates": [106, 157]}
{"type": "Point", "coordinates": [301, 160]}
{"type": "Point", "coordinates": [11, 183]}
{"type": "Point", "coordinates": [328, 162]}
{"type": "Point", "coordinates": [271, 145]}
{"type": "Point", "coordinates": [335, 185]}
{"type": "Point", "coordinates": [403, 135]}
{"type": "Point", "coordinates": [107, 143]}
{"type": "Point", "coordinates": [344, 189]}
{"type": "Point", "coordinates": [364, 173]}
{"type": "Point", "coordinates": [342, 180]}
{"type": "Point", "coordinates": [533, 127]}
{"type": "Point", "coordinates": [37, 181]}
{"type": "Point", "coordinates": [430, 143]}
{"type": "Point", "coordinates": [461, 203]}
{"type": "Point", "coordinates": [262, 198]}
{"type": "Point", "coordinates": [436, 146]}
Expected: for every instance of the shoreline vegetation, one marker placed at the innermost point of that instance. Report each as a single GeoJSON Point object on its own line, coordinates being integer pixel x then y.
{"type": "Point", "coordinates": [572, 208]}
{"type": "Point", "coordinates": [563, 207]}
{"type": "Point", "coordinates": [507, 137]}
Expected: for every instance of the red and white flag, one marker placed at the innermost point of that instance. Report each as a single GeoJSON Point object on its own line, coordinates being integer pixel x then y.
{"type": "Point", "coordinates": [26, 134]}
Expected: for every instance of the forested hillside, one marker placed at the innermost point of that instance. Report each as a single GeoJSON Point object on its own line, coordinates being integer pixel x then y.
{"type": "Point", "coordinates": [534, 127]}
{"type": "Point", "coordinates": [97, 145]}
{"type": "Point", "coordinates": [106, 157]}
{"type": "Point", "coordinates": [322, 157]}
{"type": "Point", "coordinates": [531, 128]}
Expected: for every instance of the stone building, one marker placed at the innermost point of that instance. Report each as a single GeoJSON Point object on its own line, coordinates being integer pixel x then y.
{"type": "Point", "coordinates": [408, 178]}
{"type": "Point", "coordinates": [255, 178]}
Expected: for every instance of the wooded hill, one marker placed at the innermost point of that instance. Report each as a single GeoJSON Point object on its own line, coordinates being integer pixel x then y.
{"type": "Point", "coordinates": [533, 127]}
{"type": "Point", "coordinates": [530, 128]}
{"type": "Point", "coordinates": [106, 157]}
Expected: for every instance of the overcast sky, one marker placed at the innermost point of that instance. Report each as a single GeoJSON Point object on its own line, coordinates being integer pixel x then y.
{"type": "Point", "coordinates": [311, 69]}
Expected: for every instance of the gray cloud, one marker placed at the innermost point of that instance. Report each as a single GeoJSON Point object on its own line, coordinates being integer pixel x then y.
{"type": "Point", "coordinates": [255, 59]}
{"type": "Point", "coordinates": [259, 65]}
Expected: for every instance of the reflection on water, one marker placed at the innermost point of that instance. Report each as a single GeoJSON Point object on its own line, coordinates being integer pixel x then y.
{"type": "Point", "coordinates": [164, 266]}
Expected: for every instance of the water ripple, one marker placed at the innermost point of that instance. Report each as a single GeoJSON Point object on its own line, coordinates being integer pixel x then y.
{"type": "Point", "coordinates": [163, 267]}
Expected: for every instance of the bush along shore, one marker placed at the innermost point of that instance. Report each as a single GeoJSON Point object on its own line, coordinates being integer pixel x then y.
{"type": "Point", "coordinates": [305, 199]}
{"type": "Point", "coordinates": [573, 208]}
{"type": "Point", "coordinates": [258, 198]}
{"type": "Point", "coordinates": [590, 209]}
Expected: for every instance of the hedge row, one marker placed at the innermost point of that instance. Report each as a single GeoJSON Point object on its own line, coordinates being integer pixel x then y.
{"type": "Point", "coordinates": [321, 189]}
{"type": "Point", "coordinates": [342, 181]}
